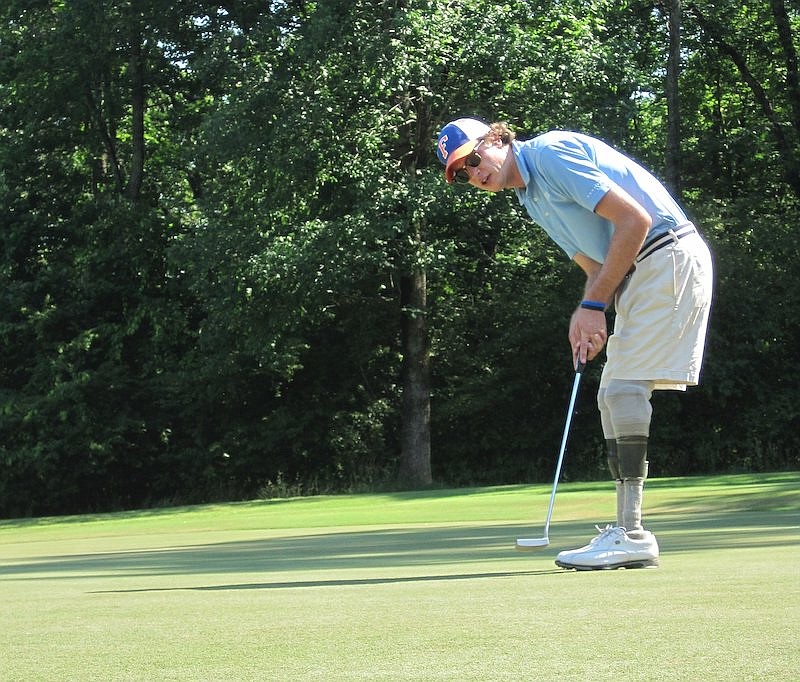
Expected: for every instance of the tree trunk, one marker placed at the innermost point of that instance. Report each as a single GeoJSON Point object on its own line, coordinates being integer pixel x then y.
{"type": "Point", "coordinates": [784, 26]}
{"type": "Point", "coordinates": [415, 446]}
{"type": "Point", "coordinates": [415, 454]}
{"type": "Point", "coordinates": [137, 108]}
{"type": "Point", "coordinates": [673, 153]}
{"type": "Point", "coordinates": [786, 148]}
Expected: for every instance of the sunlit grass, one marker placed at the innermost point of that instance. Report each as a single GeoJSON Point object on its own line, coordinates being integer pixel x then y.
{"type": "Point", "coordinates": [412, 586]}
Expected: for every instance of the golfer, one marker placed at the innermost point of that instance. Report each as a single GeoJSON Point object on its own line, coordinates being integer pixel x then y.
{"type": "Point", "coordinates": [641, 254]}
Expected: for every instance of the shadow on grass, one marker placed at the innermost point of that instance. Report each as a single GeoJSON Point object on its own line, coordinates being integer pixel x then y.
{"type": "Point", "coordinates": [357, 549]}
{"type": "Point", "coordinates": [342, 582]}
{"type": "Point", "coordinates": [397, 548]}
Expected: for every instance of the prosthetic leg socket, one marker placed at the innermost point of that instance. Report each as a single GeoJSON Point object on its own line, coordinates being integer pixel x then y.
{"type": "Point", "coordinates": [633, 468]}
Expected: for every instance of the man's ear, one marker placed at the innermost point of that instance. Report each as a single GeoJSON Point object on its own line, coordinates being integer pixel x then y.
{"type": "Point", "coordinates": [492, 139]}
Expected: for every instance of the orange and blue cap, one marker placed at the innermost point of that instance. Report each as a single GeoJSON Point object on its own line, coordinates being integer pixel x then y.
{"type": "Point", "coordinates": [457, 140]}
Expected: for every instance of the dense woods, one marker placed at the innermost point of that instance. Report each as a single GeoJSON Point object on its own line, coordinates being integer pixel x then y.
{"type": "Point", "coordinates": [231, 266]}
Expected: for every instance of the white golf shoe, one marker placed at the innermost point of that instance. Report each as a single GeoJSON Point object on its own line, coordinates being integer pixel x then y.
{"type": "Point", "coordinates": [612, 548]}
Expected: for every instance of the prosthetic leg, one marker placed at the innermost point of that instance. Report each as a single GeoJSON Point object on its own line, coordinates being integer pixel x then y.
{"type": "Point", "coordinates": [613, 467]}
{"type": "Point", "coordinates": [625, 414]}
{"type": "Point", "coordinates": [633, 466]}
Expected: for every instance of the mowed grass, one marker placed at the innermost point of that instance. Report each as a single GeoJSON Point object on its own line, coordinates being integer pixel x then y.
{"type": "Point", "coordinates": [415, 586]}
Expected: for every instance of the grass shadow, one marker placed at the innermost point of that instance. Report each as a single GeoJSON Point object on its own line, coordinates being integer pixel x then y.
{"type": "Point", "coordinates": [397, 548]}
{"type": "Point", "coordinates": [342, 582]}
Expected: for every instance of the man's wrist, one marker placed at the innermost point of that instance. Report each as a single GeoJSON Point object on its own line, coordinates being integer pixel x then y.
{"type": "Point", "coordinates": [588, 304]}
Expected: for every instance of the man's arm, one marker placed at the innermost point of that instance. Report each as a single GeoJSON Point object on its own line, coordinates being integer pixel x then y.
{"type": "Point", "coordinates": [631, 225]}
{"type": "Point", "coordinates": [631, 222]}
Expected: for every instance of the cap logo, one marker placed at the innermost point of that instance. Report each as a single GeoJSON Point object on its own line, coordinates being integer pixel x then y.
{"type": "Point", "coordinates": [442, 148]}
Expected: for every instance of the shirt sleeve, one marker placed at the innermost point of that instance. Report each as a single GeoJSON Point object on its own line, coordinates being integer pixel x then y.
{"type": "Point", "coordinates": [570, 172]}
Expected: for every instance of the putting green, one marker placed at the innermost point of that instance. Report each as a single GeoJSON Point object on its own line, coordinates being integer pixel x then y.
{"type": "Point", "coordinates": [416, 586]}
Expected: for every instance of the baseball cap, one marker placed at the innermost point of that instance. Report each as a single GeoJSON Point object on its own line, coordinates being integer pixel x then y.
{"type": "Point", "coordinates": [456, 140]}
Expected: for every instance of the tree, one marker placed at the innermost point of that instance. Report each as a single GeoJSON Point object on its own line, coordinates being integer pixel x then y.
{"type": "Point", "coordinates": [100, 106]}
{"type": "Point", "coordinates": [759, 66]}
{"type": "Point", "coordinates": [230, 265]}
{"type": "Point", "coordinates": [673, 155]}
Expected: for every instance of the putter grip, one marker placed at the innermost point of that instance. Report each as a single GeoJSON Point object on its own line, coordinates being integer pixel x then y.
{"type": "Point", "coordinates": [580, 367]}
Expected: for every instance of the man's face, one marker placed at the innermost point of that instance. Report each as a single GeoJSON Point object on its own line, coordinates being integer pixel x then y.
{"type": "Point", "coordinates": [489, 173]}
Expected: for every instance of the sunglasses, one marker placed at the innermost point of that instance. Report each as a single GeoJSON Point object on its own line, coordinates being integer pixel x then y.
{"type": "Point", "coordinates": [473, 161]}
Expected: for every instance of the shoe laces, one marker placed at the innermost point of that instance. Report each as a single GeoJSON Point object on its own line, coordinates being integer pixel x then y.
{"type": "Point", "coordinates": [607, 532]}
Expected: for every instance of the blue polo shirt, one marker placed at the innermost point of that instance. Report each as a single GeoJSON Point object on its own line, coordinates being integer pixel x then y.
{"type": "Point", "coordinates": [566, 174]}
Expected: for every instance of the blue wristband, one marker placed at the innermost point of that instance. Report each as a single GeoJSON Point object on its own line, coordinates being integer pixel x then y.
{"type": "Point", "coordinates": [593, 305]}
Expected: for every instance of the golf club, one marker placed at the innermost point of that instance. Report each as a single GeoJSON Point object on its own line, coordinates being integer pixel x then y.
{"type": "Point", "coordinates": [526, 544]}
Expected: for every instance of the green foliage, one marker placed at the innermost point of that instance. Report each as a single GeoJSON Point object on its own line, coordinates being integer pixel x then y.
{"type": "Point", "coordinates": [232, 323]}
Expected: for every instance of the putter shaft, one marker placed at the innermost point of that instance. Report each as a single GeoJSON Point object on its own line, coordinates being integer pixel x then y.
{"type": "Point", "coordinates": [535, 543]}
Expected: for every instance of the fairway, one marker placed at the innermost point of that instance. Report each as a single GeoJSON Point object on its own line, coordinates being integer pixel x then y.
{"type": "Point", "coordinates": [412, 586]}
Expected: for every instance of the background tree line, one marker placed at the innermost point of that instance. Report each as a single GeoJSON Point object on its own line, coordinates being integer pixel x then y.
{"type": "Point", "coordinates": [230, 264]}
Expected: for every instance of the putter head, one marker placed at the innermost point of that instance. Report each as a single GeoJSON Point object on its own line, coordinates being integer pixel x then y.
{"type": "Point", "coordinates": [531, 544]}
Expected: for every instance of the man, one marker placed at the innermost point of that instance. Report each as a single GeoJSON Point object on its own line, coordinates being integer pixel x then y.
{"type": "Point", "coordinates": [640, 252]}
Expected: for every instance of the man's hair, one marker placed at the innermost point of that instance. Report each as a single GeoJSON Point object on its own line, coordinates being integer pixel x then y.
{"type": "Point", "coordinates": [502, 131]}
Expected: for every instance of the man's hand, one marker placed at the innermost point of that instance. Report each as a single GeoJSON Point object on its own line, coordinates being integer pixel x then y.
{"type": "Point", "coordinates": [587, 334]}
{"type": "Point", "coordinates": [587, 330]}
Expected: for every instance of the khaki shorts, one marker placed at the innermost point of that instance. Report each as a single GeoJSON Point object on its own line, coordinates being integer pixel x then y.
{"type": "Point", "coordinates": [662, 316]}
